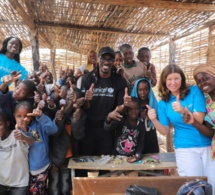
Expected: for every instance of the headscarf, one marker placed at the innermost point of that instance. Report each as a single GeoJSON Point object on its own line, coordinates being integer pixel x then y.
{"type": "Point", "coordinates": [152, 99]}
{"type": "Point", "coordinates": [205, 68]}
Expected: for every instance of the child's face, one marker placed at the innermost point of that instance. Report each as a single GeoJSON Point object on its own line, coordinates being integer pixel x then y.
{"type": "Point", "coordinates": [49, 78]}
{"type": "Point", "coordinates": [128, 55]}
{"type": "Point", "coordinates": [118, 60]}
{"type": "Point", "coordinates": [21, 117]}
{"type": "Point", "coordinates": [133, 110]}
{"type": "Point", "coordinates": [144, 56]}
{"type": "Point", "coordinates": [20, 92]}
{"type": "Point", "coordinates": [143, 90]}
{"type": "Point", "coordinates": [92, 58]}
{"type": "Point", "coordinates": [33, 77]}
{"type": "Point", "coordinates": [63, 92]}
{"type": "Point", "coordinates": [3, 127]}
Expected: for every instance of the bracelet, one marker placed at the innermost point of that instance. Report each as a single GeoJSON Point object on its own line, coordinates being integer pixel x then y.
{"type": "Point", "coordinates": [52, 107]}
{"type": "Point", "coordinates": [138, 156]}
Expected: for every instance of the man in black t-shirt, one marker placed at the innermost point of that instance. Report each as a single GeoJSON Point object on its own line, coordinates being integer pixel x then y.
{"type": "Point", "coordinates": [104, 90]}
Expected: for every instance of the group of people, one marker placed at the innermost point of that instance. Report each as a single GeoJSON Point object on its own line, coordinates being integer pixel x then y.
{"type": "Point", "coordinates": [106, 107]}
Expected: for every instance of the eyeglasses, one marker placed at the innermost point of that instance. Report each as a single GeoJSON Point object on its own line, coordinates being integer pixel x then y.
{"type": "Point", "coordinates": [109, 60]}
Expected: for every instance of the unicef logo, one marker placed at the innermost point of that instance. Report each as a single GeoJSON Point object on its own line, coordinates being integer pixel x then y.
{"type": "Point", "coordinates": [110, 90]}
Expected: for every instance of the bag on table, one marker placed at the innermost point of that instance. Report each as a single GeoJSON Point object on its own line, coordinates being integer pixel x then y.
{"type": "Point", "coordinates": [195, 187]}
{"type": "Point", "coordinates": [141, 190]}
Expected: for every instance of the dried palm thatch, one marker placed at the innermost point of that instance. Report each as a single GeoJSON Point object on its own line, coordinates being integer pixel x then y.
{"type": "Point", "coordinates": [82, 25]}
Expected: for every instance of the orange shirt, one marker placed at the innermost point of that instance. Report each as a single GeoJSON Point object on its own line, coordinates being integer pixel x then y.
{"type": "Point", "coordinates": [69, 131]}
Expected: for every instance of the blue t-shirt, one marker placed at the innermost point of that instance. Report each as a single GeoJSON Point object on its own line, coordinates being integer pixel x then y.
{"type": "Point", "coordinates": [8, 65]}
{"type": "Point", "coordinates": [185, 135]}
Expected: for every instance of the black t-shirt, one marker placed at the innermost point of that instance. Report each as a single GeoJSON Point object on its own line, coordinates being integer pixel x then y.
{"type": "Point", "coordinates": [107, 94]}
{"type": "Point", "coordinates": [129, 139]}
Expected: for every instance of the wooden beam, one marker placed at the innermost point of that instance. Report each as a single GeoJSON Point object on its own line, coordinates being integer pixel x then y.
{"type": "Point", "coordinates": [95, 29]}
{"type": "Point", "coordinates": [52, 63]}
{"type": "Point", "coordinates": [156, 4]}
{"type": "Point", "coordinates": [190, 32]}
{"type": "Point", "coordinates": [3, 22]}
{"type": "Point", "coordinates": [27, 20]}
{"type": "Point", "coordinates": [35, 49]}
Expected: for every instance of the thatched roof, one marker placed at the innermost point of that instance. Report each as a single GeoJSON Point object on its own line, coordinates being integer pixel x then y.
{"type": "Point", "coordinates": [77, 26]}
{"type": "Point", "coordinates": [90, 24]}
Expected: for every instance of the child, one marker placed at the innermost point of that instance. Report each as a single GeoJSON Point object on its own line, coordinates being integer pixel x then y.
{"type": "Point", "coordinates": [40, 127]}
{"type": "Point", "coordinates": [132, 70]}
{"type": "Point", "coordinates": [144, 55]}
{"type": "Point", "coordinates": [64, 145]}
{"type": "Point", "coordinates": [8, 99]}
{"type": "Point", "coordinates": [129, 132]}
{"type": "Point", "coordinates": [143, 91]}
{"type": "Point", "coordinates": [14, 172]}
{"type": "Point", "coordinates": [118, 63]}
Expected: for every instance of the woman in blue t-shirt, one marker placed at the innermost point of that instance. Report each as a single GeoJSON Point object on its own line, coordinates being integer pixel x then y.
{"type": "Point", "coordinates": [192, 147]}
{"type": "Point", "coordinates": [9, 58]}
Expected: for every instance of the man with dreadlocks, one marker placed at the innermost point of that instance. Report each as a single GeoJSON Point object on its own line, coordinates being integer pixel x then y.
{"type": "Point", "coordinates": [104, 91]}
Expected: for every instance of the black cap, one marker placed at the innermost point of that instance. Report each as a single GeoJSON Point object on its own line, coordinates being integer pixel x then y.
{"type": "Point", "coordinates": [107, 50]}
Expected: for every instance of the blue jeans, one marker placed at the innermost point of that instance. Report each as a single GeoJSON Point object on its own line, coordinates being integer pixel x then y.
{"type": "Point", "coordinates": [60, 182]}
{"type": "Point", "coordinates": [7, 190]}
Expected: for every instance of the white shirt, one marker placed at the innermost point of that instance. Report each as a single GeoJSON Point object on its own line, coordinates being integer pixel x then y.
{"type": "Point", "coordinates": [14, 169]}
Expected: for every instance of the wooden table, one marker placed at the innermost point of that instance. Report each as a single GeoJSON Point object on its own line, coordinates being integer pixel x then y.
{"type": "Point", "coordinates": [167, 161]}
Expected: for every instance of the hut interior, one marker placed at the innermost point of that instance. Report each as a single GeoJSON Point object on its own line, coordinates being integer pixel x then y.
{"type": "Point", "coordinates": [63, 31]}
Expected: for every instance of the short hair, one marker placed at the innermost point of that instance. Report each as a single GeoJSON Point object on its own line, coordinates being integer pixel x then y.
{"type": "Point", "coordinates": [136, 100]}
{"type": "Point", "coordinates": [30, 86]}
{"type": "Point", "coordinates": [119, 53]}
{"type": "Point", "coordinates": [164, 93]}
{"type": "Point", "coordinates": [123, 46]}
{"type": "Point", "coordinates": [24, 104]}
{"type": "Point", "coordinates": [3, 117]}
{"type": "Point", "coordinates": [4, 48]}
{"type": "Point", "coordinates": [143, 49]}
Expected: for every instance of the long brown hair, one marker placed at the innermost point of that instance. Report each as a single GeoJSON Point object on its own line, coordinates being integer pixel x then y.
{"type": "Point", "coordinates": [164, 93]}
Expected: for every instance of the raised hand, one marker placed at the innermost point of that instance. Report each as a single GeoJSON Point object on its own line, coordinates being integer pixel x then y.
{"type": "Point", "coordinates": [60, 114]}
{"type": "Point", "coordinates": [13, 77]}
{"type": "Point", "coordinates": [42, 102]}
{"type": "Point", "coordinates": [151, 113]}
{"type": "Point", "coordinates": [77, 114]}
{"type": "Point", "coordinates": [41, 86]}
{"type": "Point", "coordinates": [64, 74]}
{"type": "Point", "coordinates": [127, 98]}
{"type": "Point", "coordinates": [176, 106]}
{"type": "Point", "coordinates": [114, 115]}
{"type": "Point", "coordinates": [36, 112]}
{"type": "Point", "coordinates": [36, 97]}
{"type": "Point", "coordinates": [71, 95]}
{"type": "Point", "coordinates": [17, 133]}
{"type": "Point", "coordinates": [187, 116]}
{"type": "Point", "coordinates": [79, 102]}
{"type": "Point", "coordinates": [89, 93]}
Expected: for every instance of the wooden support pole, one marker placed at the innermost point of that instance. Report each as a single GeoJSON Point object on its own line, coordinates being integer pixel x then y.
{"type": "Point", "coordinates": [35, 48]}
{"type": "Point", "coordinates": [80, 59]}
{"type": "Point", "coordinates": [172, 52]}
{"type": "Point", "coordinates": [53, 53]}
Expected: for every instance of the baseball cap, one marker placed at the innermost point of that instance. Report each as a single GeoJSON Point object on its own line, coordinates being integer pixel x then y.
{"type": "Point", "coordinates": [107, 50]}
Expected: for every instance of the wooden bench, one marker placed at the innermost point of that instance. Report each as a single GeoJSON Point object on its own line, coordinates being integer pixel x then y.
{"type": "Point", "coordinates": [166, 185]}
